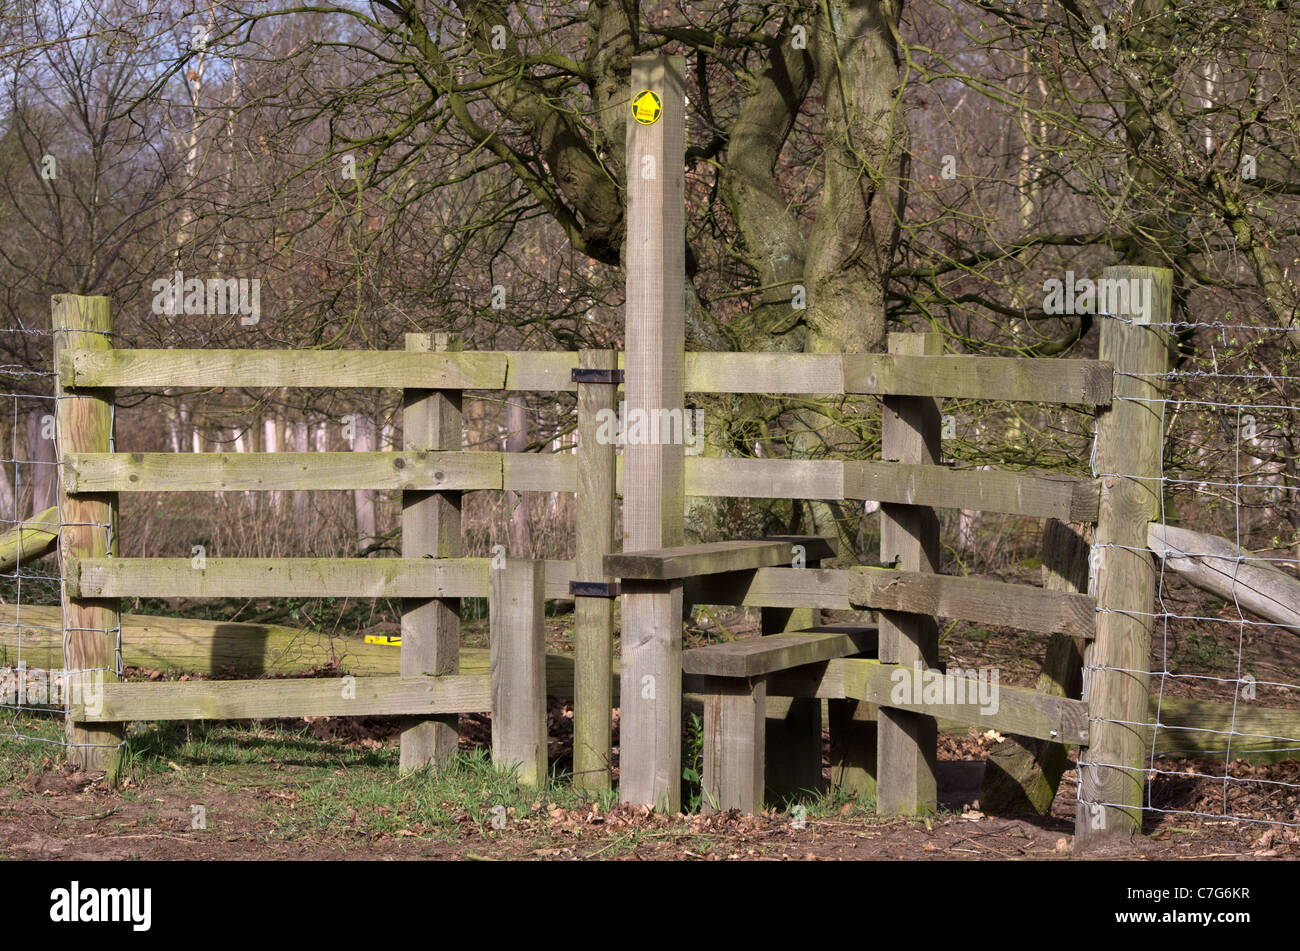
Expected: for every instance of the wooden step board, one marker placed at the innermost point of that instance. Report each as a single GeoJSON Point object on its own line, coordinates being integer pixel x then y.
{"type": "Point", "coordinates": [689, 561]}
{"type": "Point", "coordinates": [733, 679]}
{"type": "Point", "coordinates": [759, 656]}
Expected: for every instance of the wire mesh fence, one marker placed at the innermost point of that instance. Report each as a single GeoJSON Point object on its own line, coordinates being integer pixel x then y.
{"type": "Point", "coordinates": [1224, 715]}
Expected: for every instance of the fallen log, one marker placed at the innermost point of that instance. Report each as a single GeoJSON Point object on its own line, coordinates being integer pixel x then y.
{"type": "Point", "coordinates": [29, 540]}
{"type": "Point", "coordinates": [1218, 566]}
{"type": "Point", "coordinates": [221, 648]}
{"type": "Point", "coordinates": [228, 649]}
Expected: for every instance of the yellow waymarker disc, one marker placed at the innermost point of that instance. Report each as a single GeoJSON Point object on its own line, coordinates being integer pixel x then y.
{"type": "Point", "coordinates": [646, 107]}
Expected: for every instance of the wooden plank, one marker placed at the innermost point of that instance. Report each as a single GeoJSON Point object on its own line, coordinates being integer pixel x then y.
{"type": "Point", "coordinates": [593, 618]}
{"type": "Point", "coordinates": [517, 640]}
{"type": "Point", "coordinates": [1128, 459]}
{"type": "Point", "coordinates": [650, 722]}
{"type": "Point", "coordinates": [1032, 380]}
{"type": "Point", "coordinates": [654, 480]}
{"type": "Point", "coordinates": [825, 588]}
{"type": "Point", "coordinates": [764, 478]}
{"type": "Point", "coordinates": [30, 539]}
{"type": "Point", "coordinates": [689, 561]}
{"type": "Point", "coordinates": [909, 540]}
{"type": "Point", "coordinates": [539, 472]}
{"type": "Point", "coordinates": [431, 530]}
{"type": "Point", "coordinates": [84, 423]}
{"type": "Point", "coordinates": [764, 373]}
{"type": "Point", "coordinates": [1041, 495]}
{"type": "Point", "coordinates": [275, 471]}
{"type": "Point", "coordinates": [757, 656]}
{"type": "Point", "coordinates": [278, 577]}
{"type": "Point", "coordinates": [540, 370]}
{"type": "Point", "coordinates": [735, 714]}
{"type": "Point", "coordinates": [151, 369]}
{"type": "Point", "coordinates": [315, 697]}
{"type": "Point", "coordinates": [987, 706]}
{"type": "Point", "coordinates": [978, 600]}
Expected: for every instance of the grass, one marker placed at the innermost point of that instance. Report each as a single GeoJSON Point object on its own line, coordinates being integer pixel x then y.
{"type": "Point", "coordinates": [288, 785]}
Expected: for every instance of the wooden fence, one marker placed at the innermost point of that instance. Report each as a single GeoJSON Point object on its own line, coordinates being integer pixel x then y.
{"type": "Point", "coordinates": [431, 576]}
{"type": "Point", "coordinates": [881, 745]}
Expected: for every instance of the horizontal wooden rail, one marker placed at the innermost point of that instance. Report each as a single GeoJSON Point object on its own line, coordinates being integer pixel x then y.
{"type": "Point", "coordinates": [270, 699]}
{"type": "Point", "coordinates": [689, 561]}
{"type": "Point", "coordinates": [1031, 380]}
{"type": "Point", "coordinates": [1013, 493]}
{"type": "Point", "coordinates": [1035, 380]}
{"type": "Point", "coordinates": [1038, 380]}
{"type": "Point", "coordinates": [1017, 710]}
{"type": "Point", "coordinates": [253, 471]}
{"type": "Point", "coordinates": [294, 578]}
{"type": "Point", "coordinates": [1024, 607]}
{"type": "Point", "coordinates": [395, 369]}
{"type": "Point", "coordinates": [1041, 495]}
{"type": "Point", "coordinates": [1019, 606]}
{"type": "Point", "coordinates": [757, 656]}
{"type": "Point", "coordinates": [824, 588]}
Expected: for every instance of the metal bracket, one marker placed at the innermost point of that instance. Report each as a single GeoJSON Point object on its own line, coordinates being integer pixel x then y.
{"type": "Point", "coordinates": [595, 589]}
{"type": "Point", "coordinates": [583, 375]}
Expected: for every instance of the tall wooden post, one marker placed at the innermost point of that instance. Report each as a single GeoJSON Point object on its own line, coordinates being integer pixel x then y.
{"type": "Point", "coordinates": [909, 540]}
{"type": "Point", "coordinates": [593, 618]}
{"type": "Point", "coordinates": [431, 419]}
{"type": "Point", "coordinates": [654, 467]}
{"type": "Point", "coordinates": [1130, 437]}
{"type": "Point", "coordinates": [84, 423]}
{"type": "Point", "coordinates": [517, 646]}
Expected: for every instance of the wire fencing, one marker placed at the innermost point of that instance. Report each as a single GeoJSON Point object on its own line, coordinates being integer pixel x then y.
{"type": "Point", "coordinates": [1224, 715]}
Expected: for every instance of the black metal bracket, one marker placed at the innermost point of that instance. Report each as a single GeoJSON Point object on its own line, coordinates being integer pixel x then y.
{"type": "Point", "coordinates": [584, 375]}
{"type": "Point", "coordinates": [595, 589]}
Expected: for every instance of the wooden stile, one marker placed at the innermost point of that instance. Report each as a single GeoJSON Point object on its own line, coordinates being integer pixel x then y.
{"type": "Point", "coordinates": [88, 528]}
{"type": "Point", "coordinates": [593, 620]}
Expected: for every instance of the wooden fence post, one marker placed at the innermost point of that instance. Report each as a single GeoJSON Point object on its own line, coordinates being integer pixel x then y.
{"type": "Point", "coordinates": [431, 419]}
{"type": "Point", "coordinates": [654, 465]}
{"type": "Point", "coordinates": [1130, 438]}
{"type": "Point", "coordinates": [1022, 774]}
{"type": "Point", "coordinates": [793, 728]}
{"type": "Point", "coordinates": [84, 423]}
{"type": "Point", "coordinates": [517, 642]}
{"type": "Point", "coordinates": [909, 540]}
{"type": "Point", "coordinates": [593, 618]}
